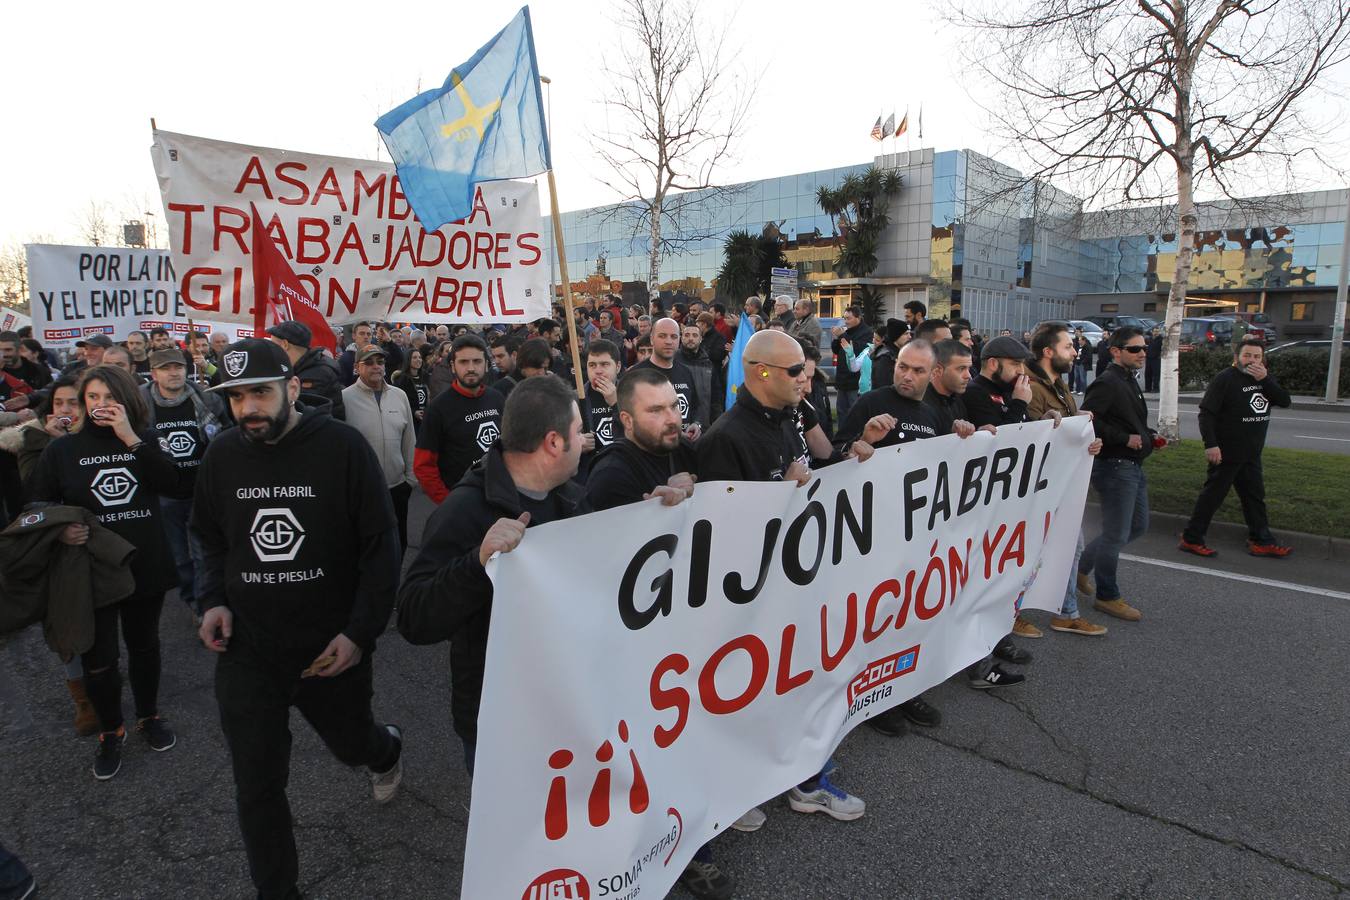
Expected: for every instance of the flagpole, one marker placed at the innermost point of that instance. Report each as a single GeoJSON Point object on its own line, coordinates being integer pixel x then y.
{"type": "Point", "coordinates": [570, 313]}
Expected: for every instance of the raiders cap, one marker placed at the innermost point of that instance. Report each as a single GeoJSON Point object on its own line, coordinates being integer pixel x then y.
{"type": "Point", "coordinates": [252, 361]}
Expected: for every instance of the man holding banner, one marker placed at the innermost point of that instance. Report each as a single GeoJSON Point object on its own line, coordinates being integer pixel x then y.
{"type": "Point", "coordinates": [524, 479]}
{"type": "Point", "coordinates": [758, 440]}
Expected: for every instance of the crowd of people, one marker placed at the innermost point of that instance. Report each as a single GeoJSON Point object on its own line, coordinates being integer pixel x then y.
{"type": "Point", "coordinates": [269, 482]}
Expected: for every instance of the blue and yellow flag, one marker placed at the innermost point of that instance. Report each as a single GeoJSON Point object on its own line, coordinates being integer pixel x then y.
{"type": "Point", "coordinates": [736, 365]}
{"type": "Point", "coordinates": [485, 123]}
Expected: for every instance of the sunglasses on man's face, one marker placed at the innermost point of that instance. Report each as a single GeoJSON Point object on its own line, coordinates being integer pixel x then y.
{"type": "Point", "coordinates": [1134, 348]}
{"type": "Point", "coordinates": [792, 371]}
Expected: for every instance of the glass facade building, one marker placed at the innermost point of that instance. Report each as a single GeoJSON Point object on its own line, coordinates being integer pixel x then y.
{"type": "Point", "coordinates": [969, 236]}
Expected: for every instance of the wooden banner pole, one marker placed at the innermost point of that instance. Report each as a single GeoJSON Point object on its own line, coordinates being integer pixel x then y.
{"type": "Point", "coordinates": [570, 313]}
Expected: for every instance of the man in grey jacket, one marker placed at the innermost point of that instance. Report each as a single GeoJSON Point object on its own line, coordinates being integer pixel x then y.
{"type": "Point", "coordinates": [384, 417]}
{"type": "Point", "coordinates": [804, 322]}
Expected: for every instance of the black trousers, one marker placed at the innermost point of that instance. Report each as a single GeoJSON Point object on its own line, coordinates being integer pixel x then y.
{"type": "Point", "coordinates": [1152, 375]}
{"type": "Point", "coordinates": [139, 618]}
{"type": "Point", "coordinates": [256, 694]}
{"type": "Point", "coordinates": [11, 487]}
{"type": "Point", "coordinates": [400, 494]}
{"type": "Point", "coordinates": [1247, 476]}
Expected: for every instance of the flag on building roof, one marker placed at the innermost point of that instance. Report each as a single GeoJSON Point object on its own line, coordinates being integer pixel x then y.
{"type": "Point", "coordinates": [890, 123]}
{"type": "Point", "coordinates": [877, 133]}
{"type": "Point", "coordinates": [920, 121]}
{"type": "Point", "coordinates": [904, 125]}
{"type": "Point", "coordinates": [485, 123]}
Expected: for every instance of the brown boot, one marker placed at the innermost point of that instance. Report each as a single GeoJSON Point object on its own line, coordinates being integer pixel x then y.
{"type": "Point", "coordinates": [86, 721]}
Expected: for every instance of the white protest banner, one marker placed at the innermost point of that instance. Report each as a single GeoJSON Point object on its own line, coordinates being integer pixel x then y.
{"type": "Point", "coordinates": [82, 291]}
{"type": "Point", "coordinates": [350, 235]}
{"type": "Point", "coordinates": [12, 319]}
{"type": "Point", "coordinates": [632, 711]}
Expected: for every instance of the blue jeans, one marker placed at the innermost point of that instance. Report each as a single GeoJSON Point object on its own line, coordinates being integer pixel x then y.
{"type": "Point", "coordinates": [187, 551]}
{"type": "Point", "coordinates": [1123, 489]}
{"type": "Point", "coordinates": [1070, 608]}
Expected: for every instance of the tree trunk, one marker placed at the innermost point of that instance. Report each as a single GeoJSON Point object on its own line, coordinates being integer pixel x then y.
{"type": "Point", "coordinates": [654, 256]}
{"type": "Point", "coordinates": [1169, 420]}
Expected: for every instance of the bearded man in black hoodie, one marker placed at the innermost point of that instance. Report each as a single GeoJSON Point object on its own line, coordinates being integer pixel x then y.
{"type": "Point", "coordinates": [300, 564]}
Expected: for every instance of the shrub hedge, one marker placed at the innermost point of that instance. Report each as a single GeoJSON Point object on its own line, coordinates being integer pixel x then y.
{"type": "Point", "coordinates": [1299, 371]}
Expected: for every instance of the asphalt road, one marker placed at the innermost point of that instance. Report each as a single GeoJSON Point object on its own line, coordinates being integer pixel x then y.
{"type": "Point", "coordinates": [1298, 429]}
{"type": "Point", "coordinates": [1198, 753]}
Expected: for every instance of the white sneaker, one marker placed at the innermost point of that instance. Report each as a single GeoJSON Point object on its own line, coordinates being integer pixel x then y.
{"type": "Point", "coordinates": [384, 785]}
{"type": "Point", "coordinates": [752, 821]}
{"type": "Point", "coordinates": [827, 798]}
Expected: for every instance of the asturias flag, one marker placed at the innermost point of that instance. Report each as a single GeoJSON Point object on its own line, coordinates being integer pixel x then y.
{"type": "Point", "coordinates": [278, 295]}
{"type": "Point", "coordinates": [484, 124]}
{"type": "Point", "coordinates": [735, 365]}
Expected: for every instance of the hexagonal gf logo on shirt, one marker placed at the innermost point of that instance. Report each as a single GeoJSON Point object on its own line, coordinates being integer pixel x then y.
{"type": "Point", "coordinates": [114, 487]}
{"type": "Point", "coordinates": [276, 535]}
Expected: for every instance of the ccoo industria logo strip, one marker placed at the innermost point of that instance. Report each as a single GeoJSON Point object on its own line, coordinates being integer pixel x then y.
{"type": "Point", "coordinates": [888, 668]}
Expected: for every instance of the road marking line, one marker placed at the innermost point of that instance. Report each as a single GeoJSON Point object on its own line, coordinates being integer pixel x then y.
{"type": "Point", "coordinates": [1234, 576]}
{"type": "Point", "coordinates": [1313, 437]}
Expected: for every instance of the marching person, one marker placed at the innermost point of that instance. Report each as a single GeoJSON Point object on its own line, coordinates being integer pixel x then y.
{"type": "Point", "coordinates": [318, 374]}
{"type": "Point", "coordinates": [886, 416]}
{"type": "Point", "coordinates": [1120, 418]}
{"type": "Point", "coordinates": [654, 460]}
{"type": "Point", "coordinates": [523, 479]}
{"type": "Point", "coordinates": [757, 440]}
{"type": "Point", "coordinates": [665, 342]}
{"type": "Point", "coordinates": [300, 566]}
{"type": "Point", "coordinates": [1055, 357]}
{"type": "Point", "coordinates": [412, 380]}
{"type": "Point", "coordinates": [112, 465]}
{"type": "Point", "coordinates": [856, 333]}
{"type": "Point", "coordinates": [602, 421]}
{"type": "Point", "coordinates": [186, 419]}
{"type": "Point", "coordinates": [1234, 416]}
{"type": "Point", "coordinates": [385, 419]}
{"type": "Point", "coordinates": [462, 422]}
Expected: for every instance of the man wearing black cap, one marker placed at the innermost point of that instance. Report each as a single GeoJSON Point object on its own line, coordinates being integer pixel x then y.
{"type": "Point", "coordinates": [318, 374]}
{"type": "Point", "coordinates": [385, 419]}
{"type": "Point", "coordinates": [186, 419]}
{"type": "Point", "coordinates": [999, 396]}
{"type": "Point", "coordinates": [299, 569]}
{"type": "Point", "coordinates": [94, 345]}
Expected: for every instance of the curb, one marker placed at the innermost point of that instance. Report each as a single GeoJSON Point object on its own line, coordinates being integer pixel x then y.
{"type": "Point", "coordinates": [1318, 546]}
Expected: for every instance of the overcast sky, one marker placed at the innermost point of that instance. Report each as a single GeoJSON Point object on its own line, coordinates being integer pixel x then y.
{"type": "Point", "coordinates": [83, 79]}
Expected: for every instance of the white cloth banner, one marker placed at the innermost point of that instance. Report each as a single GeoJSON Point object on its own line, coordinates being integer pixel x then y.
{"type": "Point", "coordinates": [720, 651]}
{"type": "Point", "coordinates": [12, 319]}
{"type": "Point", "coordinates": [78, 292]}
{"type": "Point", "coordinates": [350, 235]}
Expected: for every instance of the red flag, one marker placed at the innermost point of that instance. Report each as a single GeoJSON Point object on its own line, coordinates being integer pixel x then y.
{"type": "Point", "coordinates": [278, 295]}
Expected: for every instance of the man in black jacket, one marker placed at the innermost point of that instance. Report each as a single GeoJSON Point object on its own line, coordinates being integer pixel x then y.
{"type": "Point", "coordinates": [1234, 416]}
{"type": "Point", "coordinates": [859, 334]}
{"type": "Point", "coordinates": [1000, 393]}
{"type": "Point", "coordinates": [318, 373]}
{"type": "Point", "coordinates": [758, 440]}
{"type": "Point", "coordinates": [525, 479]}
{"type": "Point", "coordinates": [299, 567]}
{"type": "Point", "coordinates": [1153, 362]}
{"type": "Point", "coordinates": [1120, 418]}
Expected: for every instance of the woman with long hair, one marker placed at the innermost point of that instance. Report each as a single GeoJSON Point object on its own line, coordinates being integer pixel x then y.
{"type": "Point", "coordinates": [112, 465]}
{"type": "Point", "coordinates": [413, 378]}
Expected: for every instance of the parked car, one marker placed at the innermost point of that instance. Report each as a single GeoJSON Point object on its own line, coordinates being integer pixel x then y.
{"type": "Point", "coordinates": [1091, 330]}
{"type": "Point", "coordinates": [1111, 323]}
{"type": "Point", "coordinates": [1150, 324]}
{"type": "Point", "coordinates": [1308, 345]}
{"type": "Point", "coordinates": [1259, 324]}
{"type": "Point", "coordinates": [1209, 331]}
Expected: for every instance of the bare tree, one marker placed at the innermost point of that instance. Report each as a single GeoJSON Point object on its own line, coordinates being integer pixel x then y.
{"type": "Point", "coordinates": [14, 276]}
{"type": "Point", "coordinates": [1136, 102]}
{"type": "Point", "coordinates": [678, 107]}
{"type": "Point", "coordinates": [96, 228]}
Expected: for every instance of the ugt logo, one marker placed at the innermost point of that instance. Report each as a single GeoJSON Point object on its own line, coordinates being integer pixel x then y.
{"type": "Point", "coordinates": [180, 444]}
{"type": "Point", "coordinates": [487, 435]}
{"type": "Point", "coordinates": [558, 884]}
{"type": "Point", "coordinates": [114, 487]}
{"type": "Point", "coordinates": [1260, 405]}
{"type": "Point", "coordinates": [276, 535]}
